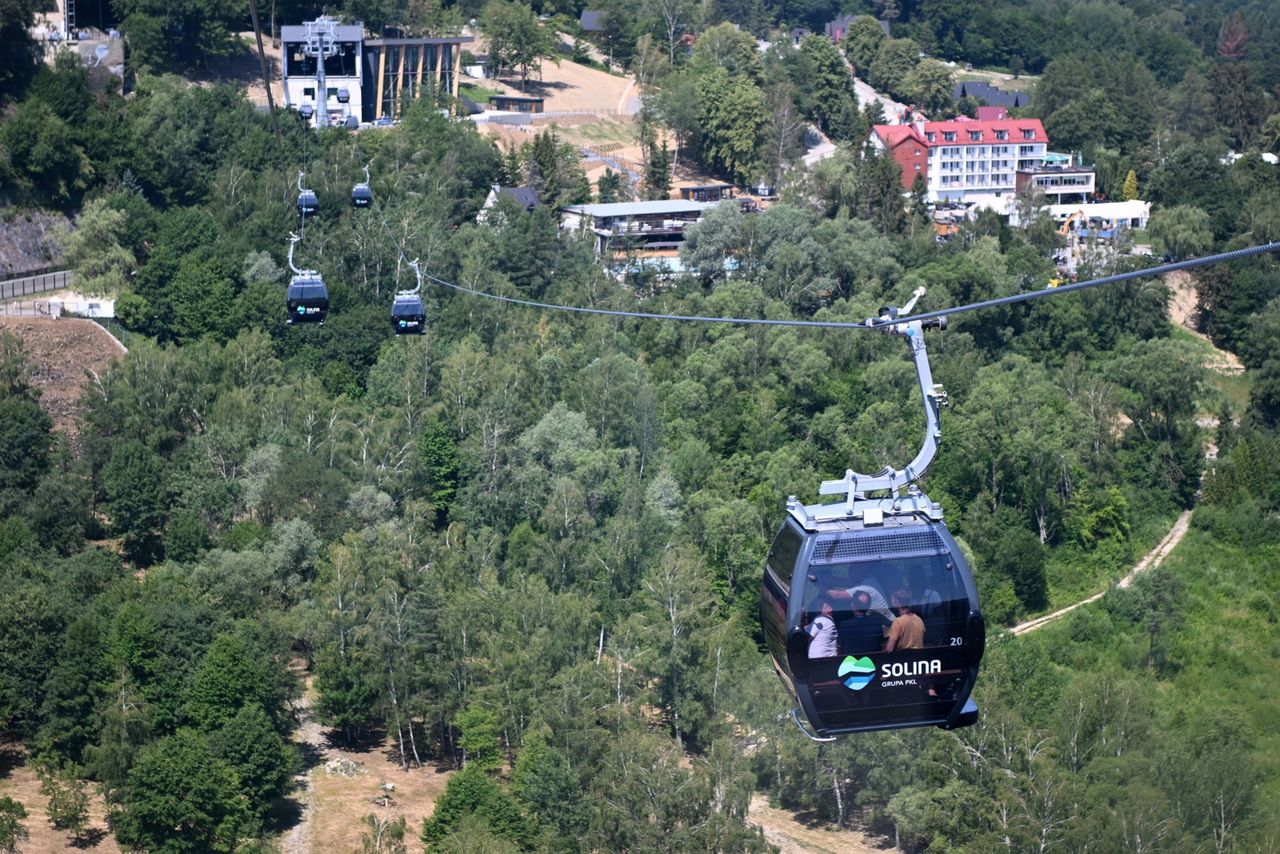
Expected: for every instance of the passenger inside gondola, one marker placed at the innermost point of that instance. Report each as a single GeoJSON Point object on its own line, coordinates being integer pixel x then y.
{"type": "Point", "coordinates": [822, 632]}
{"type": "Point", "coordinates": [863, 631]}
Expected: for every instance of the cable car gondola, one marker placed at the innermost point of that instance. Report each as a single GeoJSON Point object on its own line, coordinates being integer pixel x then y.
{"type": "Point", "coordinates": [344, 95]}
{"type": "Point", "coordinates": [306, 111]}
{"type": "Point", "coordinates": [836, 577]}
{"type": "Point", "coordinates": [308, 203]}
{"type": "Point", "coordinates": [361, 194]}
{"type": "Point", "coordinates": [307, 298]}
{"type": "Point", "coordinates": [408, 316]}
{"type": "Point", "coordinates": [352, 123]}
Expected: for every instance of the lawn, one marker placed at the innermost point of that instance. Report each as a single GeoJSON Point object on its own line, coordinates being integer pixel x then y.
{"type": "Point", "coordinates": [479, 94]}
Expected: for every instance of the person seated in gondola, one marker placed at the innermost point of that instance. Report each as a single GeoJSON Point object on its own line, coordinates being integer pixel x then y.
{"type": "Point", "coordinates": [907, 631]}
{"type": "Point", "coordinates": [871, 587]}
{"type": "Point", "coordinates": [928, 607]}
{"type": "Point", "coordinates": [822, 632]}
{"type": "Point", "coordinates": [864, 631]}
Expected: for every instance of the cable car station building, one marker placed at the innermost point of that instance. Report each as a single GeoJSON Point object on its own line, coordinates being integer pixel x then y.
{"type": "Point", "coordinates": [368, 79]}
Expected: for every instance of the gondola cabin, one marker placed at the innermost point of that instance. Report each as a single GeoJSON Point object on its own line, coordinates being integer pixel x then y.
{"type": "Point", "coordinates": [308, 298]}
{"type": "Point", "coordinates": [361, 196]}
{"type": "Point", "coordinates": [834, 582]}
{"type": "Point", "coordinates": [352, 123]}
{"type": "Point", "coordinates": [408, 316]}
{"type": "Point", "coordinates": [306, 111]}
{"type": "Point", "coordinates": [344, 95]}
{"type": "Point", "coordinates": [308, 203]}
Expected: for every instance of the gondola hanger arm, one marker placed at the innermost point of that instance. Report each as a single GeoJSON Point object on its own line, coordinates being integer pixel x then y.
{"type": "Point", "coordinates": [855, 485]}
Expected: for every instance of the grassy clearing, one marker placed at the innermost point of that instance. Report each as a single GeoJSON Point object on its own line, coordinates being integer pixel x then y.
{"type": "Point", "coordinates": [1003, 79]}
{"type": "Point", "coordinates": [479, 94]}
{"type": "Point", "coordinates": [1074, 575]}
{"type": "Point", "coordinates": [1234, 387]}
{"type": "Point", "coordinates": [600, 133]}
{"type": "Point", "coordinates": [1222, 650]}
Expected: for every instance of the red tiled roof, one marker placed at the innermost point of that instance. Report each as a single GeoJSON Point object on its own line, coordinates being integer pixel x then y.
{"type": "Point", "coordinates": [893, 134]}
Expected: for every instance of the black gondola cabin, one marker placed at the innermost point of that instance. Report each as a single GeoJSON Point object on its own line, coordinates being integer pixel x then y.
{"type": "Point", "coordinates": [408, 316]}
{"type": "Point", "coordinates": [308, 298]}
{"type": "Point", "coordinates": [361, 196]}
{"type": "Point", "coordinates": [851, 571]}
{"type": "Point", "coordinates": [308, 203]}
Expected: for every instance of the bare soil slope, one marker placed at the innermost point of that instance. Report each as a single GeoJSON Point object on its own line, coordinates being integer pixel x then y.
{"type": "Point", "coordinates": [62, 354]}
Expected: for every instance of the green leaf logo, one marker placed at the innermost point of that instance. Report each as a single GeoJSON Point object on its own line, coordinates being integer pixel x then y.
{"type": "Point", "coordinates": [859, 671]}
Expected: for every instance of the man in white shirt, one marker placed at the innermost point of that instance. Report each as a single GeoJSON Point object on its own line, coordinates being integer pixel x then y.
{"type": "Point", "coordinates": [822, 632]}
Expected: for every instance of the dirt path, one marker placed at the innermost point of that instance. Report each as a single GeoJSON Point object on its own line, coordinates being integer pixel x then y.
{"type": "Point", "coordinates": [1182, 311]}
{"type": "Point", "coordinates": [782, 830]}
{"type": "Point", "coordinates": [311, 741]}
{"type": "Point", "coordinates": [1152, 559]}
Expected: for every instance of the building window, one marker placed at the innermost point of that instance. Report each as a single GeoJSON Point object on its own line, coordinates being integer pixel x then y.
{"type": "Point", "coordinates": [1002, 134]}
{"type": "Point", "coordinates": [975, 135]}
{"type": "Point", "coordinates": [917, 167]}
{"type": "Point", "coordinates": [309, 92]}
{"type": "Point", "coordinates": [1028, 133]}
{"type": "Point", "coordinates": [918, 153]}
{"type": "Point", "coordinates": [949, 136]}
{"type": "Point", "coordinates": [930, 135]}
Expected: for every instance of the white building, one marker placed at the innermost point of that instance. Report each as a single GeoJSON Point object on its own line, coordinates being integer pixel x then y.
{"type": "Point", "coordinates": [365, 80]}
{"type": "Point", "coordinates": [342, 71]}
{"type": "Point", "coordinates": [962, 158]}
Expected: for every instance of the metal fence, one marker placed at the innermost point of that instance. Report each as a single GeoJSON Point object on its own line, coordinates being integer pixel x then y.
{"type": "Point", "coordinates": [31, 308]}
{"type": "Point", "coordinates": [29, 285]}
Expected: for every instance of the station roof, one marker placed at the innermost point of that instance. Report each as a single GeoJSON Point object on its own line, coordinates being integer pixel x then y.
{"type": "Point", "coordinates": [658, 206]}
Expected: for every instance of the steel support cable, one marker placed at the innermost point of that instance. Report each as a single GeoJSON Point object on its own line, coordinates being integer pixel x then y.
{"type": "Point", "coordinates": [1191, 263]}
{"type": "Point", "coordinates": [870, 323]}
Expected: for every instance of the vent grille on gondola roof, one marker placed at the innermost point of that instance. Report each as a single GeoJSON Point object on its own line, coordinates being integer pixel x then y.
{"type": "Point", "coordinates": [846, 548]}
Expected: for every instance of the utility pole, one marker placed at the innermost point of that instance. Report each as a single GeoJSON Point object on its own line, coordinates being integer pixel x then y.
{"type": "Point", "coordinates": [321, 44]}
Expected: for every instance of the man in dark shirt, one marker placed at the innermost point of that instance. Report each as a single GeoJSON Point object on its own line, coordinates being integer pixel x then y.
{"type": "Point", "coordinates": [864, 631]}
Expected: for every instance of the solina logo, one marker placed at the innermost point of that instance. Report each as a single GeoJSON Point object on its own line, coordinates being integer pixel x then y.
{"type": "Point", "coordinates": [860, 671]}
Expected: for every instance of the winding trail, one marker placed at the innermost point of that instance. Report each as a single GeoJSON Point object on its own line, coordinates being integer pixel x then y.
{"type": "Point", "coordinates": [1153, 559]}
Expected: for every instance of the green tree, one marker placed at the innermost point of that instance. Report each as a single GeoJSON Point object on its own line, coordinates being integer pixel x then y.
{"type": "Point", "coordinates": [929, 86]}
{"type": "Point", "coordinates": [234, 674]}
{"type": "Point", "coordinates": [134, 483]}
{"type": "Point", "coordinates": [264, 764]}
{"type": "Point", "coordinates": [734, 118]}
{"type": "Point", "coordinates": [12, 830]}
{"type": "Point", "coordinates": [43, 153]}
{"type": "Point", "coordinates": [479, 738]}
{"type": "Point", "coordinates": [471, 792]}
{"type": "Point", "coordinates": [543, 780]}
{"type": "Point", "coordinates": [1130, 190]}
{"type": "Point", "coordinates": [613, 187]}
{"type": "Point", "coordinates": [181, 798]}
{"type": "Point", "coordinates": [862, 43]}
{"type": "Point", "coordinates": [728, 48]}
{"type": "Point", "coordinates": [516, 38]}
{"type": "Point", "coordinates": [828, 89]}
{"type": "Point", "coordinates": [384, 836]}
{"type": "Point", "coordinates": [94, 252]}
{"type": "Point", "coordinates": [26, 437]}
{"type": "Point", "coordinates": [68, 801]}
{"type": "Point", "coordinates": [894, 61]}
{"type": "Point", "coordinates": [1180, 231]}
{"type": "Point", "coordinates": [180, 34]}
{"type": "Point", "coordinates": [440, 466]}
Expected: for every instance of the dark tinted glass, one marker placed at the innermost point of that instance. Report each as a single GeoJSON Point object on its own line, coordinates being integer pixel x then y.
{"type": "Point", "coordinates": [773, 598]}
{"type": "Point", "coordinates": [863, 590]}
